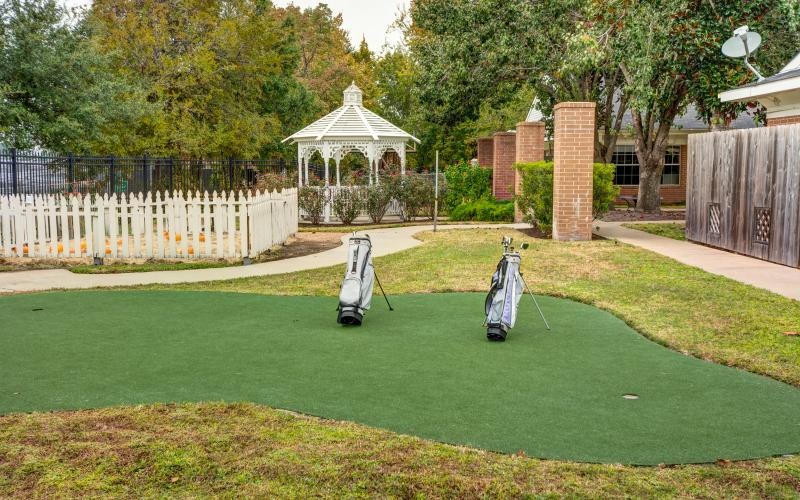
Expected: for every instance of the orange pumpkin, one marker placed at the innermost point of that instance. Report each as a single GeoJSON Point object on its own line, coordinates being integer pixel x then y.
{"type": "Point", "coordinates": [25, 248]}
{"type": "Point", "coordinates": [83, 245]}
{"type": "Point", "coordinates": [60, 248]}
{"type": "Point", "coordinates": [191, 250]}
{"type": "Point", "coordinates": [177, 236]}
{"type": "Point", "coordinates": [108, 249]}
{"type": "Point", "coordinates": [202, 238]}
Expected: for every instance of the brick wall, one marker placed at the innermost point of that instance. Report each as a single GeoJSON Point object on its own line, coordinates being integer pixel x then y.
{"type": "Point", "coordinates": [530, 148]}
{"type": "Point", "coordinates": [783, 120]}
{"type": "Point", "coordinates": [503, 165]}
{"type": "Point", "coordinates": [573, 156]}
{"type": "Point", "coordinates": [669, 193]}
{"type": "Point", "coordinates": [486, 151]}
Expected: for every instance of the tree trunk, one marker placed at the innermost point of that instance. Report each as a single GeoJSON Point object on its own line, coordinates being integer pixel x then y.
{"type": "Point", "coordinates": [651, 166]}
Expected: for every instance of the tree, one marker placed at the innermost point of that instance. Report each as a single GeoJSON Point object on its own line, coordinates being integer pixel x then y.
{"type": "Point", "coordinates": [485, 52]}
{"type": "Point", "coordinates": [206, 68]}
{"type": "Point", "coordinates": [57, 92]}
{"type": "Point", "coordinates": [669, 53]}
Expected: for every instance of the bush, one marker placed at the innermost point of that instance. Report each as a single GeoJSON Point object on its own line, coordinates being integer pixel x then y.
{"type": "Point", "coordinates": [484, 210]}
{"type": "Point", "coordinates": [466, 184]}
{"type": "Point", "coordinates": [536, 200]}
{"type": "Point", "coordinates": [312, 201]}
{"type": "Point", "coordinates": [347, 204]}
{"type": "Point", "coordinates": [376, 201]}
{"type": "Point", "coordinates": [267, 182]}
{"type": "Point", "coordinates": [415, 194]}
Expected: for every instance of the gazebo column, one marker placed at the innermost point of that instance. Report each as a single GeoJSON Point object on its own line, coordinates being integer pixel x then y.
{"type": "Point", "coordinates": [371, 160]}
{"type": "Point", "coordinates": [305, 168]}
{"type": "Point", "coordinates": [401, 151]}
{"type": "Point", "coordinates": [338, 161]}
{"type": "Point", "coordinates": [326, 158]}
{"type": "Point", "coordinates": [299, 166]}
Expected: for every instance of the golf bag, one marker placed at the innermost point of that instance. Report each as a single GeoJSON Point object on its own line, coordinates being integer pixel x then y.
{"type": "Point", "coordinates": [355, 296]}
{"type": "Point", "coordinates": [504, 297]}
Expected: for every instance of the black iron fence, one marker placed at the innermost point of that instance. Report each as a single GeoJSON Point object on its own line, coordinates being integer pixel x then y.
{"type": "Point", "coordinates": [42, 173]}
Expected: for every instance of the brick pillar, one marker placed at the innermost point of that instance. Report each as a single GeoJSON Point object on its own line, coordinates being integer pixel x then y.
{"type": "Point", "coordinates": [505, 145]}
{"type": "Point", "coordinates": [486, 152]}
{"type": "Point", "coordinates": [572, 173]}
{"type": "Point", "coordinates": [530, 148]}
{"type": "Point", "coordinates": [783, 120]}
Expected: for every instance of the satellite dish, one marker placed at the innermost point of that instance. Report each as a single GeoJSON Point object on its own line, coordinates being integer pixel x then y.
{"type": "Point", "coordinates": [743, 43]}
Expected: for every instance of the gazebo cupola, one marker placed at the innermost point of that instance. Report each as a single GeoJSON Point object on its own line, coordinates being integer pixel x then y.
{"type": "Point", "coordinates": [350, 128]}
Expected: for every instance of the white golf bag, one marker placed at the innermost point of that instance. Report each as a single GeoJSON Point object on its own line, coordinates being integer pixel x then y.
{"type": "Point", "coordinates": [507, 288]}
{"type": "Point", "coordinates": [355, 296]}
{"type": "Point", "coordinates": [504, 296]}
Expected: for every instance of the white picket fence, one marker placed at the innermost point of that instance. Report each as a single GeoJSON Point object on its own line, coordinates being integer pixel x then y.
{"type": "Point", "coordinates": [220, 225]}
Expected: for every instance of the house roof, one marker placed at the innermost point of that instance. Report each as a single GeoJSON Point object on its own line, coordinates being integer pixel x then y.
{"type": "Point", "coordinates": [690, 120]}
{"type": "Point", "coordinates": [787, 79]}
{"type": "Point", "coordinates": [351, 121]}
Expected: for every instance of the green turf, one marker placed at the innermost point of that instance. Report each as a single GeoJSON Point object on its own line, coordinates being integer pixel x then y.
{"type": "Point", "coordinates": [425, 369]}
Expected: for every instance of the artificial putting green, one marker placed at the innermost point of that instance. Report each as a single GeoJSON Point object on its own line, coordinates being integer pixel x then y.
{"type": "Point", "coordinates": [425, 369]}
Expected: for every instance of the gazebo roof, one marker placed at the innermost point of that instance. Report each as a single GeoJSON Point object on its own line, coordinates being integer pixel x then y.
{"type": "Point", "coordinates": [351, 121]}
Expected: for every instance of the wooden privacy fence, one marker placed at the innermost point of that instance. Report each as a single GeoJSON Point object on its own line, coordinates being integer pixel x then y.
{"type": "Point", "coordinates": [135, 226]}
{"type": "Point", "coordinates": [743, 192]}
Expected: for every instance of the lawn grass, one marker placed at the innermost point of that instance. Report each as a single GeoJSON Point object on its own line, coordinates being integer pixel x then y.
{"type": "Point", "coordinates": [705, 315]}
{"type": "Point", "coordinates": [149, 266]}
{"type": "Point", "coordinates": [666, 229]}
{"type": "Point", "coordinates": [210, 449]}
{"type": "Point", "coordinates": [242, 450]}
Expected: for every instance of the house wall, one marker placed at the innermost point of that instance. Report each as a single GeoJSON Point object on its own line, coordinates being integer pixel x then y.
{"type": "Point", "coordinates": [783, 120]}
{"type": "Point", "coordinates": [670, 193]}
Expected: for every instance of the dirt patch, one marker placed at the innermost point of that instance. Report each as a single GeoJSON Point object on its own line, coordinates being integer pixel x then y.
{"type": "Point", "coordinates": [304, 243]}
{"type": "Point", "coordinates": [633, 216]}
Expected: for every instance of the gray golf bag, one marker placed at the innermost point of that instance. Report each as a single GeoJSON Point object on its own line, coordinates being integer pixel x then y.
{"type": "Point", "coordinates": [507, 288]}
{"type": "Point", "coordinates": [504, 296]}
{"type": "Point", "coordinates": [355, 296]}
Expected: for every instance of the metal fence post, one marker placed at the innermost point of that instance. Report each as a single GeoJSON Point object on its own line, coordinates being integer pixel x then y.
{"type": "Point", "coordinates": [282, 164]}
{"type": "Point", "coordinates": [230, 174]}
{"type": "Point", "coordinates": [171, 182]}
{"type": "Point", "coordinates": [111, 176]}
{"type": "Point", "coordinates": [14, 171]}
{"type": "Point", "coordinates": [145, 174]}
{"type": "Point", "coordinates": [71, 173]}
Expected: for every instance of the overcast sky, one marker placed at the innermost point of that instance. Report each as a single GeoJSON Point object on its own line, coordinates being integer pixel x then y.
{"type": "Point", "coordinates": [367, 18]}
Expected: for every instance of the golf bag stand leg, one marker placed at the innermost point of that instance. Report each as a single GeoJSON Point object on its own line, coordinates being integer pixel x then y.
{"type": "Point", "coordinates": [384, 293]}
{"type": "Point", "coordinates": [535, 301]}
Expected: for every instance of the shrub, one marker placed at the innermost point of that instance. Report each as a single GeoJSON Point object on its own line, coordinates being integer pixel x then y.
{"type": "Point", "coordinates": [347, 204]}
{"type": "Point", "coordinates": [466, 183]}
{"type": "Point", "coordinates": [376, 201]}
{"type": "Point", "coordinates": [484, 210]}
{"type": "Point", "coordinates": [536, 200]}
{"type": "Point", "coordinates": [267, 182]}
{"type": "Point", "coordinates": [415, 194]}
{"type": "Point", "coordinates": [312, 201]}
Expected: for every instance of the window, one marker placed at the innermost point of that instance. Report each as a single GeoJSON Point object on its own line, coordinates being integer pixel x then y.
{"type": "Point", "coordinates": [627, 173]}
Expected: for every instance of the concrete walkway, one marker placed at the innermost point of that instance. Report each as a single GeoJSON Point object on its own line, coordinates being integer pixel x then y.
{"type": "Point", "coordinates": [776, 278]}
{"type": "Point", "coordinates": [385, 241]}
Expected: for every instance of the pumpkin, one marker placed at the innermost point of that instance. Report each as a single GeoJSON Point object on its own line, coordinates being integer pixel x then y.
{"type": "Point", "coordinates": [83, 245]}
{"type": "Point", "coordinates": [60, 248]}
{"type": "Point", "coordinates": [202, 238]}
{"type": "Point", "coordinates": [25, 248]}
{"type": "Point", "coordinates": [191, 250]}
{"type": "Point", "coordinates": [108, 249]}
{"type": "Point", "coordinates": [177, 236]}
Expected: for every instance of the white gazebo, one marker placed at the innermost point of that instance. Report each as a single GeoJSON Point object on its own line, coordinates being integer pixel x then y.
{"type": "Point", "coordinates": [350, 128]}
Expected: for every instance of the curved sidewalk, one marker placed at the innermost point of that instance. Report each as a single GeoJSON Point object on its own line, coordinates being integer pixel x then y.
{"type": "Point", "coordinates": [776, 278]}
{"type": "Point", "coordinates": [385, 241]}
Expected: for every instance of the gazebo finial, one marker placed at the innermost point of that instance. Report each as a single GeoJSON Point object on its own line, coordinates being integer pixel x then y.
{"type": "Point", "coordinates": [353, 95]}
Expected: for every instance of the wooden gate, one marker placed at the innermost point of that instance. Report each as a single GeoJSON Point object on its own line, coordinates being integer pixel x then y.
{"type": "Point", "coordinates": [743, 192]}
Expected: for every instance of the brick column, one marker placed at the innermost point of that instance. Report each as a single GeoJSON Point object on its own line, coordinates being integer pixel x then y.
{"type": "Point", "coordinates": [572, 174]}
{"type": "Point", "coordinates": [486, 152]}
{"type": "Point", "coordinates": [530, 148]}
{"type": "Point", "coordinates": [505, 145]}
